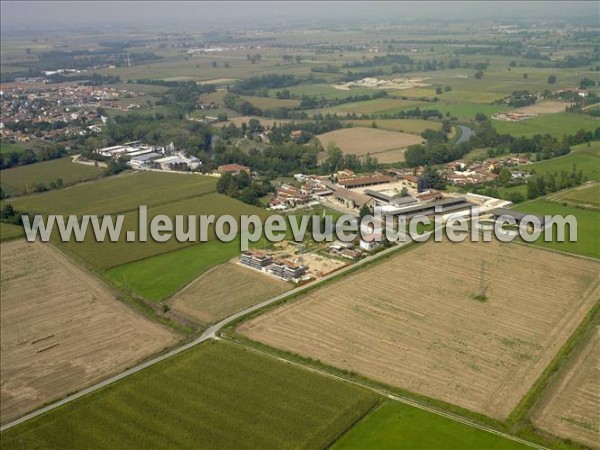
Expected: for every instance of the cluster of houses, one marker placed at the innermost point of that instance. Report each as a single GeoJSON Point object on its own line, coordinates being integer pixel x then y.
{"type": "Point", "coordinates": [282, 269]}
{"type": "Point", "coordinates": [459, 173]}
{"type": "Point", "coordinates": [73, 107]}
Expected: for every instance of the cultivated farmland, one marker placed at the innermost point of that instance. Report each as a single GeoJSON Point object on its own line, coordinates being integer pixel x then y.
{"type": "Point", "coordinates": [544, 107]}
{"type": "Point", "coordinates": [217, 395]}
{"type": "Point", "coordinates": [586, 195]}
{"type": "Point", "coordinates": [387, 146]}
{"type": "Point", "coordinates": [104, 255]}
{"type": "Point", "coordinates": [413, 126]}
{"type": "Point", "coordinates": [557, 125]}
{"type": "Point", "coordinates": [421, 329]}
{"type": "Point", "coordinates": [398, 426]}
{"type": "Point", "coordinates": [588, 239]}
{"type": "Point", "coordinates": [224, 290]}
{"type": "Point", "coordinates": [62, 329]}
{"type": "Point", "coordinates": [571, 409]}
{"type": "Point", "coordinates": [23, 179]}
{"type": "Point", "coordinates": [117, 194]}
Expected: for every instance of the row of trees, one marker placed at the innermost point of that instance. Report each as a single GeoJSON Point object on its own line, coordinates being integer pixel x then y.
{"type": "Point", "coordinates": [30, 156]}
{"type": "Point", "coordinates": [542, 184]}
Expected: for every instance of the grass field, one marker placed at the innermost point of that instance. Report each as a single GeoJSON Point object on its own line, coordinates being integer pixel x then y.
{"type": "Point", "coordinates": [442, 342]}
{"type": "Point", "coordinates": [160, 276]}
{"type": "Point", "coordinates": [557, 125]}
{"type": "Point", "coordinates": [378, 105]}
{"type": "Point", "coordinates": [412, 126]}
{"type": "Point", "coordinates": [217, 395]}
{"type": "Point", "coordinates": [586, 195]}
{"type": "Point", "coordinates": [323, 90]}
{"type": "Point", "coordinates": [47, 300]}
{"type": "Point", "coordinates": [271, 103]}
{"type": "Point", "coordinates": [397, 426]}
{"type": "Point", "coordinates": [9, 231]}
{"type": "Point", "coordinates": [18, 180]}
{"type": "Point", "coordinates": [588, 227]}
{"type": "Point", "coordinates": [581, 157]}
{"type": "Point", "coordinates": [379, 143]}
{"type": "Point", "coordinates": [571, 408]}
{"type": "Point", "coordinates": [224, 290]}
{"type": "Point", "coordinates": [465, 110]}
{"type": "Point", "coordinates": [105, 255]}
{"type": "Point", "coordinates": [117, 194]}
{"type": "Point", "coordinates": [544, 107]}
{"type": "Point", "coordinates": [8, 147]}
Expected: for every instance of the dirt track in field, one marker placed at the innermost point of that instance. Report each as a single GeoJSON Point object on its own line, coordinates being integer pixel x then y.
{"type": "Point", "coordinates": [89, 334]}
{"type": "Point", "coordinates": [412, 321]}
{"type": "Point", "coordinates": [571, 408]}
{"type": "Point", "coordinates": [225, 290]}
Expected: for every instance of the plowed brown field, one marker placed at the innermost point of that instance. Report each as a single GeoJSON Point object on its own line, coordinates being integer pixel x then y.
{"type": "Point", "coordinates": [571, 409]}
{"type": "Point", "coordinates": [61, 329]}
{"type": "Point", "coordinates": [413, 322]}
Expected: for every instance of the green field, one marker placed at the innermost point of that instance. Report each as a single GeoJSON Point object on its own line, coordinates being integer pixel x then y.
{"type": "Point", "coordinates": [22, 179]}
{"type": "Point", "coordinates": [557, 125]}
{"type": "Point", "coordinates": [585, 195]}
{"type": "Point", "coordinates": [105, 255]}
{"type": "Point", "coordinates": [378, 105]}
{"type": "Point", "coordinates": [160, 276]}
{"type": "Point", "coordinates": [588, 227]}
{"type": "Point", "coordinates": [9, 231]}
{"type": "Point", "coordinates": [217, 395]}
{"type": "Point", "coordinates": [465, 110]}
{"type": "Point", "coordinates": [8, 147]}
{"type": "Point", "coordinates": [323, 91]}
{"type": "Point", "coordinates": [582, 157]}
{"type": "Point", "coordinates": [118, 194]}
{"type": "Point", "coordinates": [270, 102]}
{"type": "Point", "coordinates": [397, 426]}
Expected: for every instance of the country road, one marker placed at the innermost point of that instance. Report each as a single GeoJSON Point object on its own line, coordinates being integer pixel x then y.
{"type": "Point", "coordinates": [212, 333]}
{"type": "Point", "coordinates": [209, 333]}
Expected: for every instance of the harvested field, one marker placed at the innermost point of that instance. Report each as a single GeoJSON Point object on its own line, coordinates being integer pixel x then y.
{"type": "Point", "coordinates": [401, 323]}
{"type": "Point", "coordinates": [571, 408]}
{"type": "Point", "coordinates": [224, 290]}
{"type": "Point", "coordinates": [544, 107]}
{"type": "Point", "coordinates": [62, 329]}
{"type": "Point", "coordinates": [361, 141]}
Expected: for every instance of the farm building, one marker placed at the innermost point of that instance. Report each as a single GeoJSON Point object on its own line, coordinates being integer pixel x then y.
{"type": "Point", "coordinates": [352, 199]}
{"type": "Point", "coordinates": [364, 181]}
{"type": "Point", "coordinates": [520, 218]}
{"type": "Point", "coordinates": [444, 207]}
{"type": "Point", "coordinates": [232, 169]}
{"type": "Point", "coordinates": [371, 241]}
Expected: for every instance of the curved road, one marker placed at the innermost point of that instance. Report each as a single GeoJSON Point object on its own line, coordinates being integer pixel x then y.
{"type": "Point", "coordinates": [211, 333]}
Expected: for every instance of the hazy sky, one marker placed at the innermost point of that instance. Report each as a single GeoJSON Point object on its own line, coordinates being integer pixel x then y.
{"type": "Point", "coordinates": [52, 14]}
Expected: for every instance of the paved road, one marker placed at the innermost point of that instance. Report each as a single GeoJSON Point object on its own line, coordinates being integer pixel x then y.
{"type": "Point", "coordinates": [210, 333]}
